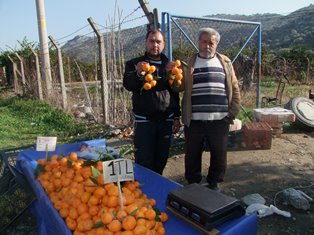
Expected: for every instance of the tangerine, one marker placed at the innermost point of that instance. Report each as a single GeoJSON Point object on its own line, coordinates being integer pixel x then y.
{"type": "Point", "coordinates": [147, 86]}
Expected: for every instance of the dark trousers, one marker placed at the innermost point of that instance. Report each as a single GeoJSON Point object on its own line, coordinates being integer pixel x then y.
{"type": "Point", "coordinates": [152, 142]}
{"type": "Point", "coordinates": [215, 133]}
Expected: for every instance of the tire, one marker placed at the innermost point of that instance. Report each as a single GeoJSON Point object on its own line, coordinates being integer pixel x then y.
{"type": "Point", "coordinates": [303, 108]}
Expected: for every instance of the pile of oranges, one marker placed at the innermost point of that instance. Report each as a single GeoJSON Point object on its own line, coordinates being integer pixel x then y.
{"type": "Point", "coordinates": [89, 206]}
{"type": "Point", "coordinates": [175, 75]}
{"type": "Point", "coordinates": [149, 80]}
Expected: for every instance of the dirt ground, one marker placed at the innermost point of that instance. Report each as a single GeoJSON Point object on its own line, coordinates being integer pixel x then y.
{"type": "Point", "coordinates": [289, 163]}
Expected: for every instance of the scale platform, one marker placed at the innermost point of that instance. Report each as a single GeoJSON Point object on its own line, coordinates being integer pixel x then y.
{"type": "Point", "coordinates": [202, 207]}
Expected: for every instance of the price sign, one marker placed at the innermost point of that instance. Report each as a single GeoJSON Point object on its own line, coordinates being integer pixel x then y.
{"type": "Point", "coordinates": [46, 143]}
{"type": "Point", "coordinates": [118, 170]}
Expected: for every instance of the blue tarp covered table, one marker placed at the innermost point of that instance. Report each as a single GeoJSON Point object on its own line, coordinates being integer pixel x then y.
{"type": "Point", "coordinates": [153, 185]}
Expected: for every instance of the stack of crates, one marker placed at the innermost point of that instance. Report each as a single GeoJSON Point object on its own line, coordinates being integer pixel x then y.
{"type": "Point", "coordinates": [15, 194]}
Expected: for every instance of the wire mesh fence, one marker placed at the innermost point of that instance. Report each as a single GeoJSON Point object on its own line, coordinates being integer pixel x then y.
{"type": "Point", "coordinates": [239, 41]}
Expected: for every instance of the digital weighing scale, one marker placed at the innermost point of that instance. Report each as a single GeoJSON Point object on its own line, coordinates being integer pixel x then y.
{"type": "Point", "coordinates": [202, 207]}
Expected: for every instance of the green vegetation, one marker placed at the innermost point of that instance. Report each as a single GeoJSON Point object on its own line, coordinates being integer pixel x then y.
{"type": "Point", "coordinates": [22, 120]}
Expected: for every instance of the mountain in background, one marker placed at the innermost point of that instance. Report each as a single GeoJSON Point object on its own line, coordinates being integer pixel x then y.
{"type": "Point", "coordinates": [278, 31]}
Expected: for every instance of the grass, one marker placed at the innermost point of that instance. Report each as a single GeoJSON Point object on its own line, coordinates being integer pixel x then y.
{"type": "Point", "coordinates": [22, 120]}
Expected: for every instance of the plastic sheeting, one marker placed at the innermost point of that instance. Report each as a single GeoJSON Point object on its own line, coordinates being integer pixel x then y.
{"type": "Point", "coordinates": [153, 185]}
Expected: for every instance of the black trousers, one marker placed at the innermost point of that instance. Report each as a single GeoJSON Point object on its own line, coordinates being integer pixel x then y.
{"type": "Point", "coordinates": [215, 133]}
{"type": "Point", "coordinates": [152, 141]}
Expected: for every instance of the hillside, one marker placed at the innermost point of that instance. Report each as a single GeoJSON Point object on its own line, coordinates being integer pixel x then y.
{"type": "Point", "coordinates": [278, 31]}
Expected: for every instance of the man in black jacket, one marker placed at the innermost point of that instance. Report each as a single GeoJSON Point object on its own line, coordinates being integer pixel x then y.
{"type": "Point", "coordinates": [156, 111]}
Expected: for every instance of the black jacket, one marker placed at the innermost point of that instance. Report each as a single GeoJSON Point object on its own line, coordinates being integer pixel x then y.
{"type": "Point", "coordinates": [157, 103]}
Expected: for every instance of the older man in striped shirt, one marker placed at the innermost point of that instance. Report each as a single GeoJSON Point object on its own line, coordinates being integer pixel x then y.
{"type": "Point", "coordinates": [210, 102]}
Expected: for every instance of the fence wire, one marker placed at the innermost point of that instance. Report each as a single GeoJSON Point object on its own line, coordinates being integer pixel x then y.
{"type": "Point", "coordinates": [80, 55]}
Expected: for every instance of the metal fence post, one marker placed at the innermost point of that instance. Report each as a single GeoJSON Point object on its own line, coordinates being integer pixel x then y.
{"type": "Point", "coordinates": [61, 73]}
{"type": "Point", "coordinates": [22, 73]}
{"type": "Point", "coordinates": [38, 75]}
{"type": "Point", "coordinates": [103, 71]}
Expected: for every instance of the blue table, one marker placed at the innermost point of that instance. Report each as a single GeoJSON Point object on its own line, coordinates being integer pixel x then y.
{"type": "Point", "coordinates": [153, 185]}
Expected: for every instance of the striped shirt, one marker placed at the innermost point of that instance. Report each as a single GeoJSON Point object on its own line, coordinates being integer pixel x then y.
{"type": "Point", "coordinates": [209, 98]}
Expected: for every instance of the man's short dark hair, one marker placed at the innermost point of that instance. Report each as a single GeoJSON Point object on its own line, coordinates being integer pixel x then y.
{"type": "Point", "coordinates": [153, 32]}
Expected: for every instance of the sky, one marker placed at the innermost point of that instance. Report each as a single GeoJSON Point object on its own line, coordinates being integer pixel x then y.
{"type": "Point", "coordinates": [67, 18]}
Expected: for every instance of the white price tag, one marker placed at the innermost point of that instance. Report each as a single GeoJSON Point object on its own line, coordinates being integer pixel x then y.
{"type": "Point", "coordinates": [118, 170]}
{"type": "Point", "coordinates": [46, 143]}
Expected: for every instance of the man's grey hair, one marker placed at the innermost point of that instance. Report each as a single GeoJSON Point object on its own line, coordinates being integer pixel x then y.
{"type": "Point", "coordinates": [209, 31]}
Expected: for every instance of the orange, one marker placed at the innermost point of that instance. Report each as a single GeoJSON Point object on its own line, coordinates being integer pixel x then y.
{"type": "Point", "coordinates": [150, 224]}
{"type": "Point", "coordinates": [147, 86]}
{"type": "Point", "coordinates": [177, 63]}
{"type": "Point", "coordinates": [161, 231]}
{"type": "Point", "coordinates": [131, 208]}
{"type": "Point", "coordinates": [76, 166]}
{"type": "Point", "coordinates": [139, 214]}
{"type": "Point", "coordinates": [139, 230]}
{"type": "Point", "coordinates": [69, 173]}
{"type": "Point", "coordinates": [64, 212]}
{"type": "Point", "coordinates": [170, 81]}
{"type": "Point", "coordinates": [106, 218]}
{"type": "Point", "coordinates": [179, 76]}
{"type": "Point", "coordinates": [152, 202]}
{"type": "Point", "coordinates": [129, 223]}
{"type": "Point", "coordinates": [87, 224]}
{"type": "Point", "coordinates": [93, 201]}
{"type": "Point", "coordinates": [100, 179]}
{"type": "Point", "coordinates": [121, 214]}
{"type": "Point", "coordinates": [152, 69]}
{"type": "Point", "coordinates": [42, 162]}
{"type": "Point", "coordinates": [93, 210]}
{"type": "Point", "coordinates": [146, 67]}
{"type": "Point", "coordinates": [75, 202]}
{"type": "Point", "coordinates": [179, 82]}
{"type": "Point", "coordinates": [71, 223]}
{"type": "Point", "coordinates": [73, 214]}
{"type": "Point", "coordinates": [82, 208]}
{"type": "Point", "coordinates": [85, 197]}
{"type": "Point", "coordinates": [73, 156]}
{"type": "Point", "coordinates": [99, 166]}
{"type": "Point", "coordinates": [137, 193]}
{"type": "Point", "coordinates": [54, 157]}
{"type": "Point", "coordinates": [78, 178]}
{"type": "Point", "coordinates": [126, 233]}
{"type": "Point", "coordinates": [163, 217]}
{"type": "Point", "coordinates": [141, 221]}
{"type": "Point", "coordinates": [112, 201]}
{"type": "Point", "coordinates": [148, 77]}
{"type": "Point", "coordinates": [150, 214]}
{"type": "Point", "coordinates": [100, 231]}
{"type": "Point", "coordinates": [113, 191]}
{"type": "Point", "coordinates": [84, 216]}
{"type": "Point", "coordinates": [153, 83]}
{"type": "Point", "coordinates": [63, 161]}
{"type": "Point", "coordinates": [175, 71]}
{"type": "Point", "coordinates": [131, 186]}
{"type": "Point", "coordinates": [100, 192]}
{"type": "Point", "coordinates": [114, 226]}
{"type": "Point", "coordinates": [129, 199]}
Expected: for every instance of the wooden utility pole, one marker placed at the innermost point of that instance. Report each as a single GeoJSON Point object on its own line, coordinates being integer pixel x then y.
{"type": "Point", "coordinates": [22, 73]}
{"type": "Point", "coordinates": [44, 48]}
{"type": "Point", "coordinates": [61, 73]}
{"type": "Point", "coordinates": [38, 75]}
{"type": "Point", "coordinates": [103, 71]}
{"type": "Point", "coordinates": [152, 17]}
